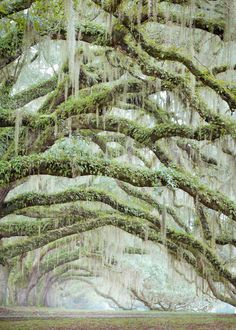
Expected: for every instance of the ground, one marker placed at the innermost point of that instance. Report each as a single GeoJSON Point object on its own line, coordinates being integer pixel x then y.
{"type": "Point", "coordinates": [56, 319]}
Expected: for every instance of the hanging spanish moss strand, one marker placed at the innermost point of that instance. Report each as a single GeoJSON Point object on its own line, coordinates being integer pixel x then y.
{"type": "Point", "coordinates": [71, 39]}
{"type": "Point", "coordinates": [18, 122]}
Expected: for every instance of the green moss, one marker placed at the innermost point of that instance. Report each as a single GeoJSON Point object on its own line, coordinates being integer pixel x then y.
{"type": "Point", "coordinates": [84, 104]}
{"type": "Point", "coordinates": [6, 137]}
{"type": "Point", "coordinates": [20, 167]}
{"type": "Point", "coordinates": [10, 42]}
{"type": "Point", "coordinates": [34, 92]}
{"type": "Point", "coordinates": [51, 101]}
{"type": "Point", "coordinates": [94, 33]}
{"type": "Point", "coordinates": [31, 228]}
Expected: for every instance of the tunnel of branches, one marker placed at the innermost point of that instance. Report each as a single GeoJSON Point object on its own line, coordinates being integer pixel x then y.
{"type": "Point", "coordinates": [118, 158]}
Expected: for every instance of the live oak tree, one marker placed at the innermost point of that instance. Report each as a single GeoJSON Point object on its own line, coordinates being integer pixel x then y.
{"type": "Point", "coordinates": [138, 113]}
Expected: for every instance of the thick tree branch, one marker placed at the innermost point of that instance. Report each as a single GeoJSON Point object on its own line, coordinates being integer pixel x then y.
{"type": "Point", "coordinates": [161, 53]}
{"type": "Point", "coordinates": [8, 7]}
{"type": "Point", "coordinates": [21, 167]}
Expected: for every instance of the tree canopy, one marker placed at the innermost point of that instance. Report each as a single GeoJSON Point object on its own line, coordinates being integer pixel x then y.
{"type": "Point", "coordinates": [117, 120]}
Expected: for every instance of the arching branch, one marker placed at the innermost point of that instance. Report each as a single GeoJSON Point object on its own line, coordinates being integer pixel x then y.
{"type": "Point", "coordinates": [8, 7]}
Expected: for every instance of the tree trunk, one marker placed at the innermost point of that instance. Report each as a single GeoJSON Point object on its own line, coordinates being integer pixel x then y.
{"type": "Point", "coordinates": [4, 274]}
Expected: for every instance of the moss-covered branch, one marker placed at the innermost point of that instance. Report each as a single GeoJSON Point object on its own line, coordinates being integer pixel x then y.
{"type": "Point", "coordinates": [21, 167]}
{"type": "Point", "coordinates": [149, 136]}
{"type": "Point", "coordinates": [193, 151]}
{"type": "Point", "coordinates": [96, 195]}
{"type": "Point", "coordinates": [179, 84]}
{"type": "Point", "coordinates": [219, 295]}
{"type": "Point", "coordinates": [6, 137]}
{"type": "Point", "coordinates": [8, 7]}
{"type": "Point", "coordinates": [35, 242]}
{"type": "Point", "coordinates": [173, 54]}
{"type": "Point", "coordinates": [222, 68]}
{"type": "Point", "coordinates": [51, 263]}
{"type": "Point", "coordinates": [34, 227]}
{"type": "Point", "coordinates": [88, 77]}
{"type": "Point", "coordinates": [199, 20]}
{"type": "Point", "coordinates": [11, 46]}
{"type": "Point", "coordinates": [71, 195]}
{"type": "Point", "coordinates": [158, 52]}
{"type": "Point", "coordinates": [34, 92]}
{"type": "Point", "coordinates": [170, 81]}
{"type": "Point", "coordinates": [102, 95]}
{"type": "Point", "coordinates": [106, 296]}
{"type": "Point", "coordinates": [132, 191]}
{"type": "Point", "coordinates": [131, 225]}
